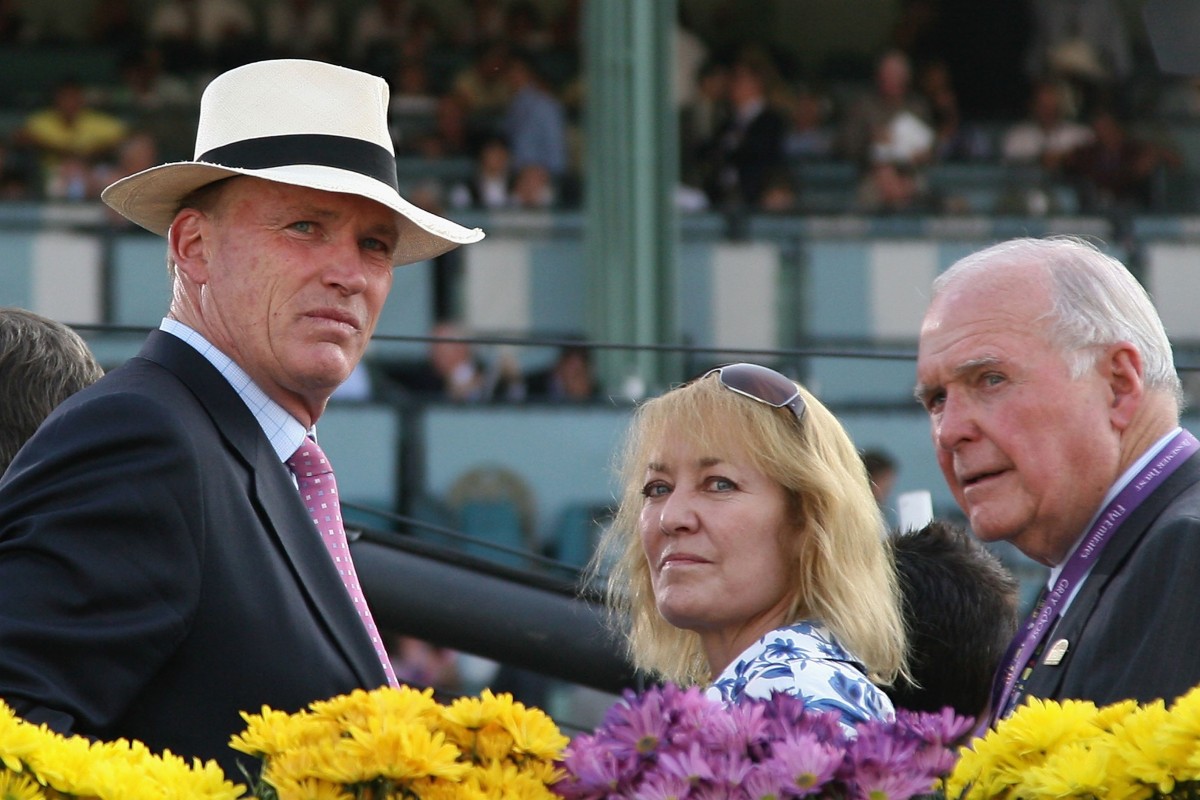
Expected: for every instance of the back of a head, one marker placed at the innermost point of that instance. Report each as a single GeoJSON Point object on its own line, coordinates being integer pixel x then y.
{"type": "Point", "coordinates": [42, 363]}
{"type": "Point", "coordinates": [960, 606]}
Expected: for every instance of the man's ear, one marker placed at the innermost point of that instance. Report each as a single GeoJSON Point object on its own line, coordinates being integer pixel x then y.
{"type": "Point", "coordinates": [1122, 366]}
{"type": "Point", "coordinates": [187, 245]}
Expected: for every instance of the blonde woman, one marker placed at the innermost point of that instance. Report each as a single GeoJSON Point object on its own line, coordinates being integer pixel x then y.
{"type": "Point", "coordinates": [747, 553]}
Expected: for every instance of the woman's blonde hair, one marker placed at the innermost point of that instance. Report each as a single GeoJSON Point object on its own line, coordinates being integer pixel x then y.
{"type": "Point", "coordinates": [842, 573]}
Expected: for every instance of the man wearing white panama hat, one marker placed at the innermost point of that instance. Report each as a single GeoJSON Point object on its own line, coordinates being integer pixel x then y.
{"type": "Point", "coordinates": [159, 570]}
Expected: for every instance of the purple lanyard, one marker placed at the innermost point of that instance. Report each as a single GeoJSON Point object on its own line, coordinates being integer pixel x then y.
{"type": "Point", "coordinates": [1171, 457]}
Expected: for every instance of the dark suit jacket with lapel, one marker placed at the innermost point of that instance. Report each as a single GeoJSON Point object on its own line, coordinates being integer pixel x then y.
{"type": "Point", "coordinates": [158, 572]}
{"type": "Point", "coordinates": [1133, 631]}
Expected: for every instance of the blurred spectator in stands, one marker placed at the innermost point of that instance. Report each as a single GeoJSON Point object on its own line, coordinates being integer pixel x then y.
{"type": "Point", "coordinates": [955, 139]}
{"type": "Point", "coordinates": [569, 378]}
{"type": "Point", "coordinates": [1047, 134]}
{"type": "Point", "coordinates": [491, 184]}
{"type": "Point", "coordinates": [883, 123]}
{"type": "Point", "coordinates": [203, 35]}
{"type": "Point", "coordinates": [452, 135]}
{"type": "Point", "coordinates": [146, 86]}
{"type": "Point", "coordinates": [567, 26]}
{"type": "Point", "coordinates": [483, 23]}
{"type": "Point", "coordinates": [525, 27]}
{"type": "Point", "coordinates": [533, 187]}
{"type": "Point", "coordinates": [882, 471]}
{"type": "Point", "coordinates": [1115, 171]}
{"type": "Point", "coordinates": [302, 29]}
{"type": "Point", "coordinates": [423, 37]}
{"type": "Point", "coordinates": [69, 137]}
{"type": "Point", "coordinates": [19, 175]}
{"type": "Point", "coordinates": [139, 151]}
{"type": "Point", "coordinates": [116, 23]}
{"type": "Point", "coordinates": [14, 27]}
{"type": "Point", "coordinates": [42, 363]}
{"type": "Point", "coordinates": [454, 371]}
{"type": "Point", "coordinates": [886, 131]}
{"type": "Point", "coordinates": [411, 93]}
{"type": "Point", "coordinates": [1082, 41]}
{"type": "Point", "coordinates": [535, 121]}
{"type": "Point", "coordinates": [483, 82]}
{"type": "Point", "coordinates": [377, 29]}
{"type": "Point", "coordinates": [747, 151]}
{"type": "Point", "coordinates": [700, 119]}
{"type": "Point", "coordinates": [810, 135]}
{"type": "Point", "coordinates": [779, 196]}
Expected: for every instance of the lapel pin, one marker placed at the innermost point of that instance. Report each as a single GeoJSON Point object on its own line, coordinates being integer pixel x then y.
{"type": "Point", "coordinates": [1055, 654]}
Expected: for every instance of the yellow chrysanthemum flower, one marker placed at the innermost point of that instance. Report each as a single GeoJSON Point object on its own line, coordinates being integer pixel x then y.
{"type": "Point", "coordinates": [1138, 747]}
{"type": "Point", "coordinates": [475, 712]}
{"type": "Point", "coordinates": [534, 733]}
{"type": "Point", "coordinates": [17, 738]}
{"type": "Point", "coordinates": [1041, 726]}
{"type": "Point", "coordinates": [325, 760]}
{"type": "Point", "coordinates": [501, 780]}
{"type": "Point", "coordinates": [311, 789]}
{"type": "Point", "coordinates": [436, 789]}
{"type": "Point", "coordinates": [403, 752]}
{"type": "Point", "coordinates": [1108, 716]}
{"type": "Point", "coordinates": [273, 732]}
{"type": "Point", "coordinates": [1073, 770]}
{"type": "Point", "coordinates": [358, 708]}
{"type": "Point", "coordinates": [63, 763]}
{"type": "Point", "coordinates": [1181, 735]}
{"type": "Point", "coordinates": [19, 786]}
{"type": "Point", "coordinates": [492, 743]}
{"type": "Point", "coordinates": [974, 776]}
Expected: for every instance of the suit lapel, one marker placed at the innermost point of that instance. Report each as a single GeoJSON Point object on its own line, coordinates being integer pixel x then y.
{"type": "Point", "coordinates": [1046, 679]}
{"type": "Point", "coordinates": [276, 499]}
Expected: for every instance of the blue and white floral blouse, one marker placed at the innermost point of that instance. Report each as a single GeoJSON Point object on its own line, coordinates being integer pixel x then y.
{"type": "Point", "coordinates": [804, 660]}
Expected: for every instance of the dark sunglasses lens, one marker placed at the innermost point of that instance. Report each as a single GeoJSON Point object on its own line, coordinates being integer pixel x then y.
{"type": "Point", "coordinates": [761, 382]}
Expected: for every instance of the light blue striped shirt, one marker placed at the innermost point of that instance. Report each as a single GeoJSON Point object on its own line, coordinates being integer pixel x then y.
{"type": "Point", "coordinates": [283, 431]}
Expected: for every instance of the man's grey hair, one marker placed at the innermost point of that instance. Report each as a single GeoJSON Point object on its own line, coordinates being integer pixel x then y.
{"type": "Point", "coordinates": [1095, 302]}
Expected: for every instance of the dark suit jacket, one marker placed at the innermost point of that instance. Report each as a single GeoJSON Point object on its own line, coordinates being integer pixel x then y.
{"type": "Point", "coordinates": [1133, 631]}
{"type": "Point", "coordinates": [755, 154]}
{"type": "Point", "coordinates": [158, 572]}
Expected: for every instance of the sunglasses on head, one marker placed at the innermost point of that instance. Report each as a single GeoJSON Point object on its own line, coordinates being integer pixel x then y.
{"type": "Point", "coordinates": [762, 384]}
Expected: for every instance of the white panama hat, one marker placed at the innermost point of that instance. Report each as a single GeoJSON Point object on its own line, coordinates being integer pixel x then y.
{"type": "Point", "coordinates": [305, 123]}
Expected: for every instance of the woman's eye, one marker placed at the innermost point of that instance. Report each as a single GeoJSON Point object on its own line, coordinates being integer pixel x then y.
{"type": "Point", "coordinates": [721, 484]}
{"type": "Point", "coordinates": [655, 489]}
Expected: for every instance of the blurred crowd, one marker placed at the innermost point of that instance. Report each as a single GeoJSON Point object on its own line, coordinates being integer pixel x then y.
{"type": "Point", "coordinates": [488, 94]}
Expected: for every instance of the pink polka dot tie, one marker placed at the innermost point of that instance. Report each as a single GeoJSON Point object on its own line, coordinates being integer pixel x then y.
{"type": "Point", "coordinates": [318, 490]}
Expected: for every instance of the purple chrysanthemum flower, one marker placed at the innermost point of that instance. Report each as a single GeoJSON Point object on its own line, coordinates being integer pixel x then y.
{"type": "Point", "coordinates": [765, 781]}
{"type": "Point", "coordinates": [636, 726]}
{"type": "Point", "coordinates": [593, 769]}
{"type": "Point", "coordinates": [945, 728]}
{"type": "Point", "coordinates": [692, 763]}
{"type": "Point", "coordinates": [878, 764]}
{"type": "Point", "coordinates": [661, 786]}
{"type": "Point", "coordinates": [671, 743]}
{"type": "Point", "coordinates": [804, 763]}
{"type": "Point", "coordinates": [786, 714]}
